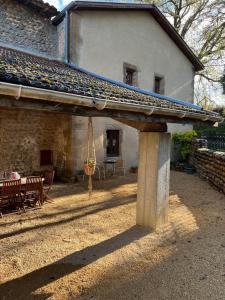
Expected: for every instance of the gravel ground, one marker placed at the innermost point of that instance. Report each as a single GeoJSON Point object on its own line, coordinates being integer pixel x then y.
{"type": "Point", "coordinates": [73, 248]}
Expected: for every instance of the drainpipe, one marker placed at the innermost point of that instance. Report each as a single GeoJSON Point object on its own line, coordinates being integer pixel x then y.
{"type": "Point", "coordinates": [67, 37]}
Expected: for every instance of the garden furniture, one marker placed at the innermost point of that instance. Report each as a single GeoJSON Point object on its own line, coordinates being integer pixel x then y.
{"type": "Point", "coordinates": [119, 167]}
{"type": "Point", "coordinates": [10, 194]}
{"type": "Point", "coordinates": [33, 191]}
{"type": "Point", "coordinates": [48, 182]}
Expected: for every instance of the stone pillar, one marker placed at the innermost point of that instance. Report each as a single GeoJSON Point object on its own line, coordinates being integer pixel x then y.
{"type": "Point", "coordinates": [153, 179]}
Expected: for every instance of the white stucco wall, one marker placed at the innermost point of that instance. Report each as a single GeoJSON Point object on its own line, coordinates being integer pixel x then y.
{"type": "Point", "coordinates": [129, 141]}
{"type": "Point", "coordinates": [105, 40]}
{"type": "Point", "coordinates": [102, 41]}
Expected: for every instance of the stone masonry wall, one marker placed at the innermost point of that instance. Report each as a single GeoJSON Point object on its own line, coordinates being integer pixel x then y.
{"type": "Point", "coordinates": [24, 28]}
{"type": "Point", "coordinates": [24, 133]}
{"type": "Point", "coordinates": [209, 164]}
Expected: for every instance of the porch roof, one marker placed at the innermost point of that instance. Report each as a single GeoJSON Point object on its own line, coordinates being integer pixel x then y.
{"type": "Point", "coordinates": [20, 68]}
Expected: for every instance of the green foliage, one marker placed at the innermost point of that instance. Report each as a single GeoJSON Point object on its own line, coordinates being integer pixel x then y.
{"type": "Point", "coordinates": [182, 142]}
{"type": "Point", "coordinates": [210, 131]}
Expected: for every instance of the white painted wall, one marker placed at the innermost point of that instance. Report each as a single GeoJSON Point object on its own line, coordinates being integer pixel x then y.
{"type": "Point", "coordinates": [105, 40]}
{"type": "Point", "coordinates": [102, 41]}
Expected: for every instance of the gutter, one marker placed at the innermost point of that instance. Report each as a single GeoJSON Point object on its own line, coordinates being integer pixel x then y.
{"type": "Point", "coordinates": [20, 91]}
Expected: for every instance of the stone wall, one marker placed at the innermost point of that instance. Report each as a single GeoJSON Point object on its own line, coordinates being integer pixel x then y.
{"type": "Point", "coordinates": [23, 27]}
{"type": "Point", "coordinates": [209, 164]}
{"type": "Point", "coordinates": [24, 133]}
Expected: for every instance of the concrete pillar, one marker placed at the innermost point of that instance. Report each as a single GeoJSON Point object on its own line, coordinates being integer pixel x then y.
{"type": "Point", "coordinates": [153, 179]}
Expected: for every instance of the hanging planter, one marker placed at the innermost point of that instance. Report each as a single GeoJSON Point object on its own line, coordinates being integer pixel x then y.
{"type": "Point", "coordinates": [89, 166]}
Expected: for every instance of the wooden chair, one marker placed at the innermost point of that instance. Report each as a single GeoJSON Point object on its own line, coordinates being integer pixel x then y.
{"type": "Point", "coordinates": [119, 167]}
{"type": "Point", "coordinates": [48, 182]}
{"type": "Point", "coordinates": [33, 191]}
{"type": "Point", "coordinates": [10, 194]}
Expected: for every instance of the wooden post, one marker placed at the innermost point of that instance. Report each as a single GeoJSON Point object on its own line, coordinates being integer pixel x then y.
{"type": "Point", "coordinates": [153, 179]}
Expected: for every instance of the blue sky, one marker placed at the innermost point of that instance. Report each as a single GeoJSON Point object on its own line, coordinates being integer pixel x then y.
{"type": "Point", "coordinates": [58, 3]}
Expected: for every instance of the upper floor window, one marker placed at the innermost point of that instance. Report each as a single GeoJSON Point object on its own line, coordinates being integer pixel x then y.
{"type": "Point", "coordinates": [159, 84]}
{"type": "Point", "coordinates": [130, 74]}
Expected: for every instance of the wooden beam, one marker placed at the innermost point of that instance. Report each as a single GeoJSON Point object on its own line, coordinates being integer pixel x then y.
{"type": "Point", "coordinates": [12, 103]}
{"type": "Point", "coordinates": [144, 126]}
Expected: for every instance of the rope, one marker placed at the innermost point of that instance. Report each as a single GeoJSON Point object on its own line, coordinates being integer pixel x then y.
{"type": "Point", "coordinates": [91, 156]}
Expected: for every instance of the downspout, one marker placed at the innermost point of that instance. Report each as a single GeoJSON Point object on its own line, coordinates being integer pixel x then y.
{"type": "Point", "coordinates": [67, 37]}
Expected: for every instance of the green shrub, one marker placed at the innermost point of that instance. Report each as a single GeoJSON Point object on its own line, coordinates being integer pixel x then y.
{"type": "Point", "coordinates": [182, 142]}
{"type": "Point", "coordinates": [210, 131]}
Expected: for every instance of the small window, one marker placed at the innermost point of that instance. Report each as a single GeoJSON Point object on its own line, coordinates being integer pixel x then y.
{"type": "Point", "coordinates": [130, 74]}
{"type": "Point", "coordinates": [46, 158]}
{"type": "Point", "coordinates": [113, 143]}
{"type": "Point", "coordinates": [159, 84]}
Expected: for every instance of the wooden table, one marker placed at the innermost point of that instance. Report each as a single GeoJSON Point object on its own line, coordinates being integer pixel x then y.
{"type": "Point", "coordinates": [110, 162]}
{"type": "Point", "coordinates": [23, 181]}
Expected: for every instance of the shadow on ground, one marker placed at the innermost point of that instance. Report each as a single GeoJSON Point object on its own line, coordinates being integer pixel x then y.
{"type": "Point", "coordinates": [28, 283]}
{"type": "Point", "coordinates": [190, 265]}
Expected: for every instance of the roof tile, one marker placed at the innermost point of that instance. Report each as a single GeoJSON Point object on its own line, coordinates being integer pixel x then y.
{"type": "Point", "coordinates": [29, 70]}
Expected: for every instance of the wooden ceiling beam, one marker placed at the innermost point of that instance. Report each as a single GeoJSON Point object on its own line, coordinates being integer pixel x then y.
{"type": "Point", "coordinates": [145, 126]}
{"type": "Point", "coordinates": [12, 103]}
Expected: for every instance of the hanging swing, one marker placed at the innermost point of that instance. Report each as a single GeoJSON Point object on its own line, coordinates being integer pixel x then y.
{"type": "Point", "coordinates": [90, 162]}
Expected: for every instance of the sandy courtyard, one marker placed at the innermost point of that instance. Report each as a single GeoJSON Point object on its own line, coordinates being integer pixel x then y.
{"type": "Point", "coordinates": [73, 248]}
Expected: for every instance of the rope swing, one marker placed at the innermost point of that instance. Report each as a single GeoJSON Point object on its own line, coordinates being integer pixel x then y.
{"type": "Point", "coordinates": [90, 162]}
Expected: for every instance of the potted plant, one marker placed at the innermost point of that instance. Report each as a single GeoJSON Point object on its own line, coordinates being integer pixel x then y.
{"type": "Point", "coordinates": [89, 166]}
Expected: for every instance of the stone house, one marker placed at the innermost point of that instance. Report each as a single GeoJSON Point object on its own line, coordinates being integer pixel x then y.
{"type": "Point", "coordinates": [128, 43]}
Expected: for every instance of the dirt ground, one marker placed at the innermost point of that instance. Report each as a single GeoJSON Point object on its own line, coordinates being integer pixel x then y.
{"type": "Point", "coordinates": [73, 248]}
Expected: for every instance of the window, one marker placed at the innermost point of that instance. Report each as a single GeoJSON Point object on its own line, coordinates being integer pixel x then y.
{"type": "Point", "coordinates": [46, 158]}
{"type": "Point", "coordinates": [113, 142]}
{"type": "Point", "coordinates": [130, 74]}
{"type": "Point", "coordinates": [159, 84]}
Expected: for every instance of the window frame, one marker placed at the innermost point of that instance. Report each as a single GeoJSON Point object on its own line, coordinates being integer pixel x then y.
{"type": "Point", "coordinates": [115, 154]}
{"type": "Point", "coordinates": [132, 69]}
{"type": "Point", "coordinates": [161, 79]}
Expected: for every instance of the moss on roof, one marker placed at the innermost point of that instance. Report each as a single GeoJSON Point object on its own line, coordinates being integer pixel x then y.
{"type": "Point", "coordinates": [29, 70]}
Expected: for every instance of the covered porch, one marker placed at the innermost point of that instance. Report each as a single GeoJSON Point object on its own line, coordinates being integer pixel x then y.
{"type": "Point", "coordinates": [58, 88]}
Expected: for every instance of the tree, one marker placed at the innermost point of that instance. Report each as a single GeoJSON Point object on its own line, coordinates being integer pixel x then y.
{"type": "Point", "coordinates": [201, 23]}
{"type": "Point", "coordinates": [223, 81]}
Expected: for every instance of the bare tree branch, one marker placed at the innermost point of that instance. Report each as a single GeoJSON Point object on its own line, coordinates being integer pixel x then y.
{"type": "Point", "coordinates": [202, 24]}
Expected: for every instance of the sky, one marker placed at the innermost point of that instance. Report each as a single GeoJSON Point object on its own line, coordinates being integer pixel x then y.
{"type": "Point", "coordinates": [59, 3]}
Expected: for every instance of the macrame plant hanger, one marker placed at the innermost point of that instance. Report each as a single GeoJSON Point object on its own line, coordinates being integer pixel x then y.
{"type": "Point", "coordinates": [90, 162]}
